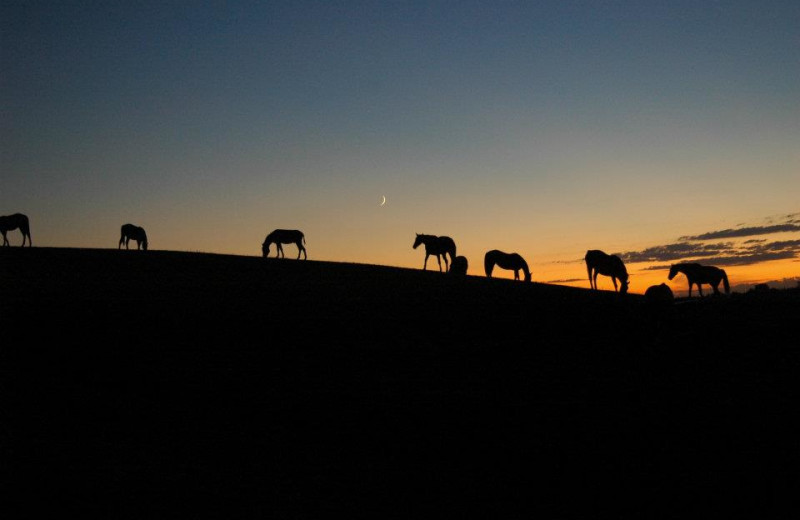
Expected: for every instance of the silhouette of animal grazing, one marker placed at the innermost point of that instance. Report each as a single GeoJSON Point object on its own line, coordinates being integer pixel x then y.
{"type": "Point", "coordinates": [510, 261]}
{"type": "Point", "coordinates": [130, 232]}
{"type": "Point", "coordinates": [700, 274]}
{"type": "Point", "coordinates": [285, 236]}
{"type": "Point", "coordinates": [439, 246]}
{"type": "Point", "coordinates": [597, 262]}
{"type": "Point", "coordinates": [659, 295]}
{"type": "Point", "coordinates": [12, 222]}
{"type": "Point", "coordinates": [459, 266]}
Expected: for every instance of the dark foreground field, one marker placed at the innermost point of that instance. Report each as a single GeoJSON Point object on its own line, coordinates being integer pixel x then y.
{"type": "Point", "coordinates": [167, 385]}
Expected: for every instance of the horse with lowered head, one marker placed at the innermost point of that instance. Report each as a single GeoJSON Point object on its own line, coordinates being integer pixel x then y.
{"type": "Point", "coordinates": [285, 236]}
{"type": "Point", "coordinates": [700, 274]}
{"type": "Point", "coordinates": [459, 266]}
{"type": "Point", "coordinates": [510, 261]}
{"type": "Point", "coordinates": [598, 262]}
{"type": "Point", "coordinates": [439, 246]}
{"type": "Point", "coordinates": [130, 232]}
{"type": "Point", "coordinates": [12, 222]}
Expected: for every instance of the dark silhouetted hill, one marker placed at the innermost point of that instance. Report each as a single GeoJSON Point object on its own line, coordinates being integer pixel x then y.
{"type": "Point", "coordinates": [165, 384]}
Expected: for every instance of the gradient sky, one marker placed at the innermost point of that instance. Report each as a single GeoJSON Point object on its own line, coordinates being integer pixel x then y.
{"type": "Point", "coordinates": [546, 128]}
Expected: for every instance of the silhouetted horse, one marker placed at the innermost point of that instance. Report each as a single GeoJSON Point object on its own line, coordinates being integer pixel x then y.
{"type": "Point", "coordinates": [459, 266]}
{"type": "Point", "coordinates": [510, 261]}
{"type": "Point", "coordinates": [439, 246]}
{"type": "Point", "coordinates": [130, 232]}
{"type": "Point", "coordinates": [12, 222]}
{"type": "Point", "coordinates": [659, 295]}
{"type": "Point", "coordinates": [285, 236]}
{"type": "Point", "coordinates": [597, 262]}
{"type": "Point", "coordinates": [700, 274]}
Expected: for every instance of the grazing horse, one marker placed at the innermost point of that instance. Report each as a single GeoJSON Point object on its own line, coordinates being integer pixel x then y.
{"type": "Point", "coordinates": [700, 274]}
{"type": "Point", "coordinates": [439, 246]}
{"type": "Point", "coordinates": [459, 266]}
{"type": "Point", "coordinates": [12, 222]}
{"type": "Point", "coordinates": [510, 261]}
{"type": "Point", "coordinates": [128, 232]}
{"type": "Point", "coordinates": [285, 236]}
{"type": "Point", "coordinates": [597, 262]}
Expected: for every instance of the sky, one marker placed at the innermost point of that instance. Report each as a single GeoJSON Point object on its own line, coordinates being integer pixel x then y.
{"type": "Point", "coordinates": [659, 131]}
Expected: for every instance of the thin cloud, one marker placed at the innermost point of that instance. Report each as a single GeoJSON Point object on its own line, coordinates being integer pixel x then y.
{"type": "Point", "coordinates": [677, 251]}
{"type": "Point", "coordinates": [742, 232]}
{"type": "Point", "coordinates": [702, 249]}
{"type": "Point", "coordinates": [720, 253]}
{"type": "Point", "coordinates": [567, 280]}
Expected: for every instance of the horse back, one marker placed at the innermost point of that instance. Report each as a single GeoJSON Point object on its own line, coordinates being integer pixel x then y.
{"type": "Point", "coordinates": [12, 222]}
{"type": "Point", "coordinates": [447, 245]}
{"type": "Point", "coordinates": [286, 236]}
{"type": "Point", "coordinates": [595, 257]}
{"type": "Point", "coordinates": [133, 231]}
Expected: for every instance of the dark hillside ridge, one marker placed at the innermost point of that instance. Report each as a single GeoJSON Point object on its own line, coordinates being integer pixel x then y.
{"type": "Point", "coordinates": [163, 384]}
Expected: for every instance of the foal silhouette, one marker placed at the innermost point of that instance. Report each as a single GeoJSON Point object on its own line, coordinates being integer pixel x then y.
{"type": "Point", "coordinates": [700, 274]}
{"type": "Point", "coordinates": [459, 266]}
{"type": "Point", "coordinates": [130, 232]}
{"type": "Point", "coordinates": [510, 261]}
{"type": "Point", "coordinates": [12, 222]}
{"type": "Point", "coordinates": [659, 295]}
{"type": "Point", "coordinates": [597, 262]}
{"type": "Point", "coordinates": [439, 246]}
{"type": "Point", "coordinates": [285, 236]}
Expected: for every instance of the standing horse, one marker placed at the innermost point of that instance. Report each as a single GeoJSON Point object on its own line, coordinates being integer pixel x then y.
{"type": "Point", "coordinates": [700, 274]}
{"type": "Point", "coordinates": [597, 262]}
{"type": "Point", "coordinates": [439, 246]}
{"type": "Point", "coordinates": [12, 222]}
{"type": "Point", "coordinates": [130, 232]}
{"type": "Point", "coordinates": [285, 236]}
{"type": "Point", "coordinates": [510, 261]}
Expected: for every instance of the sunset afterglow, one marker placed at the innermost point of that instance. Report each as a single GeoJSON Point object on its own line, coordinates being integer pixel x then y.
{"type": "Point", "coordinates": [660, 131]}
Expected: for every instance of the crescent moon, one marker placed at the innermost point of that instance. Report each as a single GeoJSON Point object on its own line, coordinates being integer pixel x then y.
{"type": "Point", "coordinates": [384, 200]}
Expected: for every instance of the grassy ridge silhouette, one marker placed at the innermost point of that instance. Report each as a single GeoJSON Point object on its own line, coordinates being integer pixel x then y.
{"type": "Point", "coordinates": [228, 385]}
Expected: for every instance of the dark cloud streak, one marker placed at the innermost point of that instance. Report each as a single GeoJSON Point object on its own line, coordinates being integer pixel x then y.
{"type": "Point", "coordinates": [742, 232]}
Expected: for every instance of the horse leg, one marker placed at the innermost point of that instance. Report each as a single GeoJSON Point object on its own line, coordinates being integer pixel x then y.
{"type": "Point", "coordinates": [516, 274]}
{"type": "Point", "coordinates": [5, 239]}
{"type": "Point", "coordinates": [700, 289]}
{"type": "Point", "coordinates": [446, 264]}
{"type": "Point", "coordinates": [595, 280]}
{"type": "Point", "coordinates": [439, 259]}
{"type": "Point", "coordinates": [716, 289]}
{"type": "Point", "coordinates": [280, 253]}
{"type": "Point", "coordinates": [425, 265]}
{"type": "Point", "coordinates": [303, 249]}
{"type": "Point", "coordinates": [614, 279]}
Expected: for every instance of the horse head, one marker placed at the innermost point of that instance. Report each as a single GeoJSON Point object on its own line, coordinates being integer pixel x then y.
{"type": "Point", "coordinates": [673, 271]}
{"type": "Point", "coordinates": [265, 249]}
{"type": "Point", "coordinates": [144, 244]}
{"type": "Point", "coordinates": [418, 241]}
{"type": "Point", "coordinates": [623, 286]}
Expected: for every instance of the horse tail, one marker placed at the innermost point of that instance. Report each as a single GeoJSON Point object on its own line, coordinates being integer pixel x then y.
{"type": "Point", "coordinates": [303, 237]}
{"type": "Point", "coordinates": [589, 271]}
{"type": "Point", "coordinates": [725, 282]}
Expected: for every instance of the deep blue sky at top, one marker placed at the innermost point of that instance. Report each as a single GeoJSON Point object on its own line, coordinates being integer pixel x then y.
{"type": "Point", "coordinates": [111, 101]}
